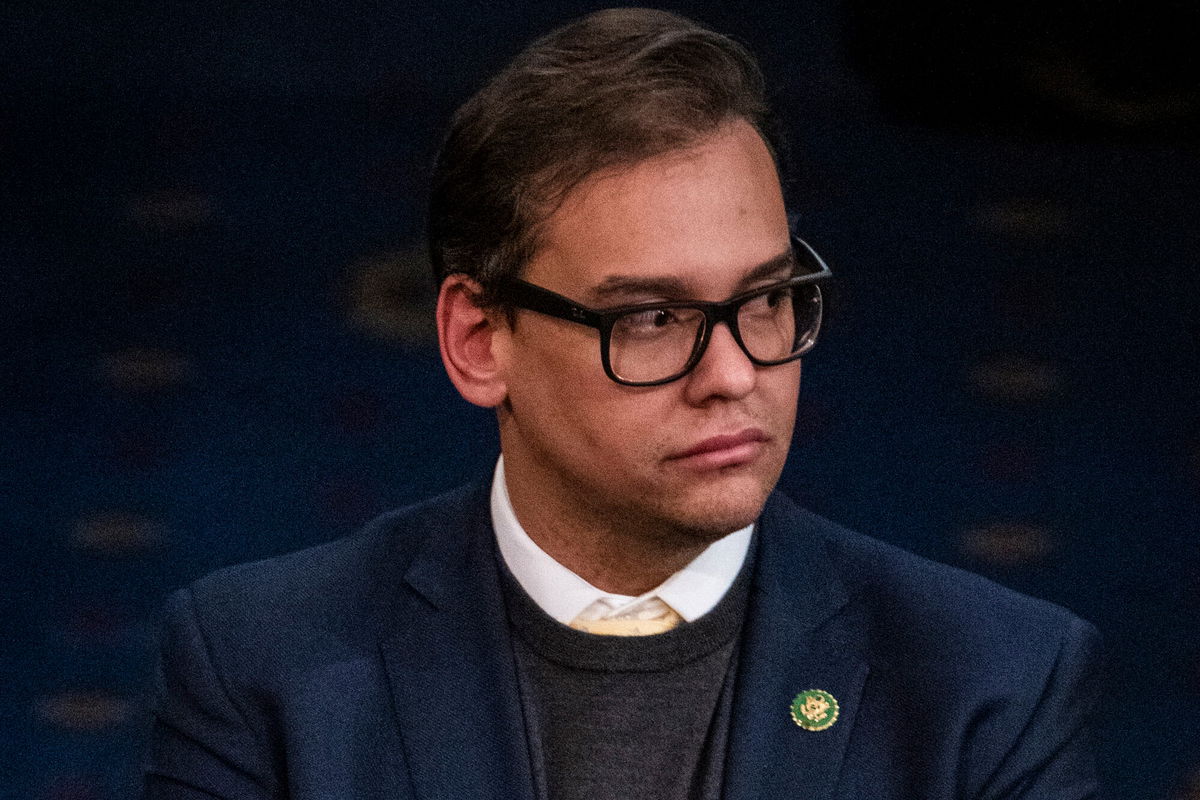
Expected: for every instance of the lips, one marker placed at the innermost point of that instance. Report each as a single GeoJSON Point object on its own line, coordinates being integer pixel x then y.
{"type": "Point", "coordinates": [724, 450]}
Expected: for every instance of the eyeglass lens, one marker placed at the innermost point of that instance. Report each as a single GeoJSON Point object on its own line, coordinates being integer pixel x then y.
{"type": "Point", "coordinates": [653, 345]}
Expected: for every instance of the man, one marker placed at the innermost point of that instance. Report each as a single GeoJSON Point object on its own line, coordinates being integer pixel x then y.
{"type": "Point", "coordinates": [626, 609]}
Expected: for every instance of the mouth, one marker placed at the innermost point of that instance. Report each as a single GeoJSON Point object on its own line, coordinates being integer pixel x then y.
{"type": "Point", "coordinates": [725, 450]}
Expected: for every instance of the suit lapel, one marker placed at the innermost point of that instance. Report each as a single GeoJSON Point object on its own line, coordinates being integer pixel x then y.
{"type": "Point", "coordinates": [801, 633]}
{"type": "Point", "coordinates": [450, 664]}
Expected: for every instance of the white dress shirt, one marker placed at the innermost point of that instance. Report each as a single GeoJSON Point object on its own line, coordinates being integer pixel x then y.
{"type": "Point", "coordinates": [691, 592]}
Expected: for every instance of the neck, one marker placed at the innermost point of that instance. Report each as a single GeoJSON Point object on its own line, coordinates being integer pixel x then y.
{"type": "Point", "coordinates": [622, 556]}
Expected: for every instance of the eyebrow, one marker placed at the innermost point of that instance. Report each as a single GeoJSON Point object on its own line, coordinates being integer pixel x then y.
{"type": "Point", "coordinates": [673, 288]}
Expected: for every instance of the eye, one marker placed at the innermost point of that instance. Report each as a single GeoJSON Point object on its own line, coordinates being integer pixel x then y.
{"type": "Point", "coordinates": [646, 321]}
{"type": "Point", "coordinates": [769, 302]}
{"type": "Point", "coordinates": [658, 318]}
{"type": "Point", "coordinates": [658, 324]}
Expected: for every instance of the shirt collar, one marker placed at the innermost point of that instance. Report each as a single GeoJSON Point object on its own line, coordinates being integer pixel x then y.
{"type": "Point", "coordinates": [692, 591]}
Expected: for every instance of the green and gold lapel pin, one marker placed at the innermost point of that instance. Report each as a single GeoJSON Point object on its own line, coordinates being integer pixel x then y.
{"type": "Point", "coordinates": [814, 710]}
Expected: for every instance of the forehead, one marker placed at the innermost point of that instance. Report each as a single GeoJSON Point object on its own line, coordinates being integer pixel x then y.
{"type": "Point", "coordinates": [702, 217]}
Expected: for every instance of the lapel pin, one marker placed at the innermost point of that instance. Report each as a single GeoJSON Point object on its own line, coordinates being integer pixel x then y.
{"type": "Point", "coordinates": [814, 710]}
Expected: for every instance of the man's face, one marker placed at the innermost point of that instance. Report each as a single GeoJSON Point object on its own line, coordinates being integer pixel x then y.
{"type": "Point", "coordinates": [697, 456]}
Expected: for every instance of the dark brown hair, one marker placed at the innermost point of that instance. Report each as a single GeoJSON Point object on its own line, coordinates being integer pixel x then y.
{"type": "Point", "coordinates": [610, 89]}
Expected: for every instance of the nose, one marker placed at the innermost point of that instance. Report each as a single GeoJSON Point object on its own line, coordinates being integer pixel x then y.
{"type": "Point", "coordinates": [724, 371]}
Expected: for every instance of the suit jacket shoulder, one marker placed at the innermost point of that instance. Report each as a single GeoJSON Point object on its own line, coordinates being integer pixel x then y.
{"type": "Point", "coordinates": [921, 607]}
{"type": "Point", "coordinates": [306, 600]}
{"type": "Point", "coordinates": [271, 678]}
{"type": "Point", "coordinates": [968, 689]}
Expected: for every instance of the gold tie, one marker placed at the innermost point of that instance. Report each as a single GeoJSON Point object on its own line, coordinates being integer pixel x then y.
{"type": "Point", "coordinates": [645, 619]}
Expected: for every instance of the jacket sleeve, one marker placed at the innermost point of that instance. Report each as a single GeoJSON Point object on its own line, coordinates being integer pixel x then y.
{"type": "Point", "coordinates": [1052, 758]}
{"type": "Point", "coordinates": [201, 744]}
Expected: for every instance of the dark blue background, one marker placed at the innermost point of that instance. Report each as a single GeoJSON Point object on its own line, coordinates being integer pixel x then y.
{"type": "Point", "coordinates": [218, 348]}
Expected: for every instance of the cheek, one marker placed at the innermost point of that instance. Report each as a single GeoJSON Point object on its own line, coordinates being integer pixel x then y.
{"type": "Point", "coordinates": [566, 396]}
{"type": "Point", "coordinates": [782, 386]}
{"type": "Point", "coordinates": [605, 419]}
{"type": "Point", "coordinates": [590, 419]}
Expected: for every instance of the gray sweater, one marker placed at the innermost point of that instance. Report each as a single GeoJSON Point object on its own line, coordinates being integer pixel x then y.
{"type": "Point", "coordinates": [627, 717]}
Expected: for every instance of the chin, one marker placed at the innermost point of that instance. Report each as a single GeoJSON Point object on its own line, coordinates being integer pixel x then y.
{"type": "Point", "coordinates": [715, 512]}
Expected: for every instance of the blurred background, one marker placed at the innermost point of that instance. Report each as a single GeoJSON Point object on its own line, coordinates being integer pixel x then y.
{"type": "Point", "coordinates": [218, 342]}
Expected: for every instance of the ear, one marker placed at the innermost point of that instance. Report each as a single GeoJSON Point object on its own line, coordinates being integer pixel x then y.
{"type": "Point", "coordinates": [468, 337]}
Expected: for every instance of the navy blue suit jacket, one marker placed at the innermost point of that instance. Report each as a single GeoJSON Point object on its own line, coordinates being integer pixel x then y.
{"type": "Point", "coordinates": [380, 666]}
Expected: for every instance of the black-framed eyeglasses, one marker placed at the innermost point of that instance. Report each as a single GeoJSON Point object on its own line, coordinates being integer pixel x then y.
{"type": "Point", "coordinates": [654, 343]}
